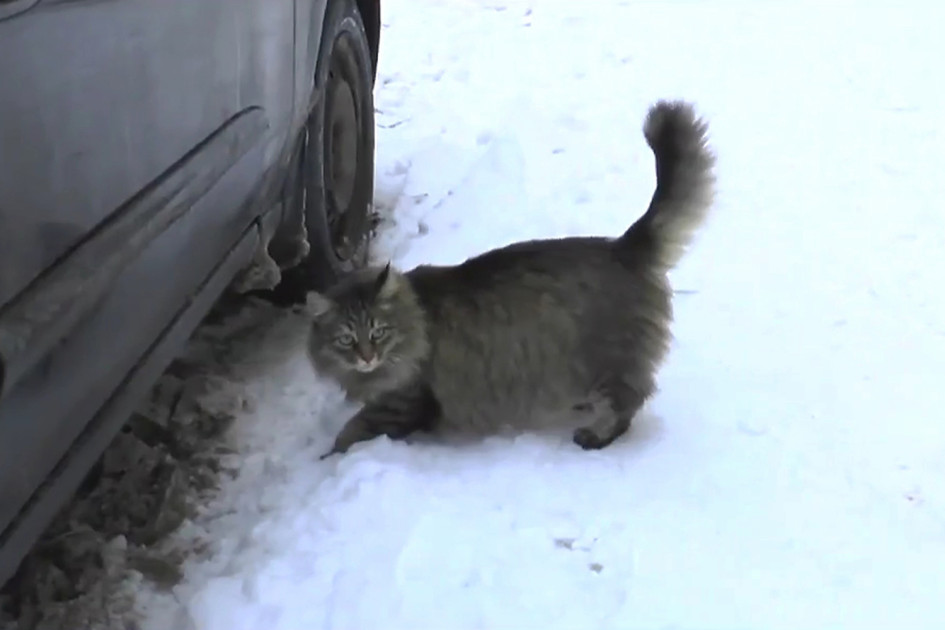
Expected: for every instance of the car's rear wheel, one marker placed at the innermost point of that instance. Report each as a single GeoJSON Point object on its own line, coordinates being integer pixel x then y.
{"type": "Point", "coordinates": [335, 178]}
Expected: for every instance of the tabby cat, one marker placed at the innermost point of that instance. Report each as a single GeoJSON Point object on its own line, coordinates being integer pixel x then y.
{"type": "Point", "coordinates": [532, 334]}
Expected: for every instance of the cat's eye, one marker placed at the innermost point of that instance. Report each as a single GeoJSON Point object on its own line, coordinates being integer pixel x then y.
{"type": "Point", "coordinates": [345, 340]}
{"type": "Point", "coordinates": [378, 333]}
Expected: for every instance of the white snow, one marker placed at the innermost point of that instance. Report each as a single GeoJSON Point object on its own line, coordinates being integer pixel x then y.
{"type": "Point", "coordinates": [791, 471]}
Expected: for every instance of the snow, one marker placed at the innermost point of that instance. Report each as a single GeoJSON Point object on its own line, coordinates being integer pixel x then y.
{"type": "Point", "coordinates": [791, 471]}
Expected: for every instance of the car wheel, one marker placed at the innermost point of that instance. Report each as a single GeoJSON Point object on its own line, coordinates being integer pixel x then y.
{"type": "Point", "coordinates": [336, 158]}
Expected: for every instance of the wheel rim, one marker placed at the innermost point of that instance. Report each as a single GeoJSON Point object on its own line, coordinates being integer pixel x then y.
{"type": "Point", "coordinates": [341, 142]}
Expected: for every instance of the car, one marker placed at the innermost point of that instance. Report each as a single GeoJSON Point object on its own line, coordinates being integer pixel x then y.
{"type": "Point", "coordinates": [153, 155]}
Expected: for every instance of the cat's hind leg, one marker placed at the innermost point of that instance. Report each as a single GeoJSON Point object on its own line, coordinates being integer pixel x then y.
{"type": "Point", "coordinates": [395, 414]}
{"type": "Point", "coordinates": [612, 415]}
{"type": "Point", "coordinates": [603, 431]}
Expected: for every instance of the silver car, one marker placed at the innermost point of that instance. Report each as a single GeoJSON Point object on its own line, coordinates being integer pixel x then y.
{"type": "Point", "coordinates": [154, 153]}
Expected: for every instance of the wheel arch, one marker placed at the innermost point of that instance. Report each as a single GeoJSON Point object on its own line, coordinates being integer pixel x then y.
{"type": "Point", "coordinates": [371, 16]}
{"type": "Point", "coordinates": [292, 242]}
{"type": "Point", "coordinates": [370, 11]}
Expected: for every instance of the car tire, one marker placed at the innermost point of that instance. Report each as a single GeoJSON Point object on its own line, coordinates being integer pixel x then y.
{"type": "Point", "coordinates": [335, 180]}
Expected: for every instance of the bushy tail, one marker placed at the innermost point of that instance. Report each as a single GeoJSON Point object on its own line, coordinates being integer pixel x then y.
{"type": "Point", "coordinates": [685, 184]}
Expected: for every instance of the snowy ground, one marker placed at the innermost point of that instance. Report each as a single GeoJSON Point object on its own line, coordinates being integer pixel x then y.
{"type": "Point", "coordinates": [790, 473]}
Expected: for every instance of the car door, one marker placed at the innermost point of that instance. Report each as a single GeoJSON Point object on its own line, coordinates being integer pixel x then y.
{"type": "Point", "coordinates": [99, 101]}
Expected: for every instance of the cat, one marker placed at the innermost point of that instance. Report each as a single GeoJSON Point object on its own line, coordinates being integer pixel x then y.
{"type": "Point", "coordinates": [537, 332]}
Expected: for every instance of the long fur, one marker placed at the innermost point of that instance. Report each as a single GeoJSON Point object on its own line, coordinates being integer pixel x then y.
{"type": "Point", "coordinates": [539, 332]}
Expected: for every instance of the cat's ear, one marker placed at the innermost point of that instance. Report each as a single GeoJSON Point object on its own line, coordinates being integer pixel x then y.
{"type": "Point", "coordinates": [317, 305]}
{"type": "Point", "coordinates": [386, 283]}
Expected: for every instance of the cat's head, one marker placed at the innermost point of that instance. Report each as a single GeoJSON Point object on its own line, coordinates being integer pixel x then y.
{"type": "Point", "coordinates": [368, 321]}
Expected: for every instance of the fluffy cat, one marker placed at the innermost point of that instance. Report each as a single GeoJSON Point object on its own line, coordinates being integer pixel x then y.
{"type": "Point", "coordinates": [569, 329]}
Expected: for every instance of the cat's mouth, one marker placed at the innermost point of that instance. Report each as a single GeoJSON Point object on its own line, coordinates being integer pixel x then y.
{"type": "Point", "coordinates": [367, 366]}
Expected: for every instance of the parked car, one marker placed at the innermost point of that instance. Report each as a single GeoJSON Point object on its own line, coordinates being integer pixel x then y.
{"type": "Point", "coordinates": [152, 154]}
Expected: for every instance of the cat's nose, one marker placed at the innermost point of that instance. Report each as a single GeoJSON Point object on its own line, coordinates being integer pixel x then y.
{"type": "Point", "coordinates": [367, 361]}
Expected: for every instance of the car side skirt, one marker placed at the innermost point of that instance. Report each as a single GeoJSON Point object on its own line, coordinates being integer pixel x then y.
{"type": "Point", "coordinates": [69, 473]}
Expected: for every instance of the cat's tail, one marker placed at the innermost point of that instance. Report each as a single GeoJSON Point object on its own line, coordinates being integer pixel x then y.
{"type": "Point", "coordinates": [685, 184]}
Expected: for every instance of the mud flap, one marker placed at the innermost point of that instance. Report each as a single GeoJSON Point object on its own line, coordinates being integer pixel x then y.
{"type": "Point", "coordinates": [278, 251]}
{"type": "Point", "coordinates": [262, 273]}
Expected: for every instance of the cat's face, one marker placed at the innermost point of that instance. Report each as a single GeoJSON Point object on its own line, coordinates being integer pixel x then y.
{"type": "Point", "coordinates": [355, 328]}
{"type": "Point", "coordinates": [358, 337]}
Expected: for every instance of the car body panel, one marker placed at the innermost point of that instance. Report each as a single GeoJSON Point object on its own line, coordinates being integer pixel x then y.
{"type": "Point", "coordinates": [175, 72]}
{"type": "Point", "coordinates": [41, 316]}
{"type": "Point", "coordinates": [10, 8]}
{"type": "Point", "coordinates": [144, 147]}
{"type": "Point", "coordinates": [152, 134]}
{"type": "Point", "coordinates": [117, 318]}
{"type": "Point", "coordinates": [70, 471]}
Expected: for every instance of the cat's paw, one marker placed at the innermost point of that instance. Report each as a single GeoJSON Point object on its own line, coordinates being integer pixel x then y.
{"type": "Point", "coordinates": [588, 440]}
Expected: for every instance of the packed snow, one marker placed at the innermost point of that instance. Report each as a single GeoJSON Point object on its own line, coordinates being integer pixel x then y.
{"type": "Point", "coordinates": [791, 471]}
